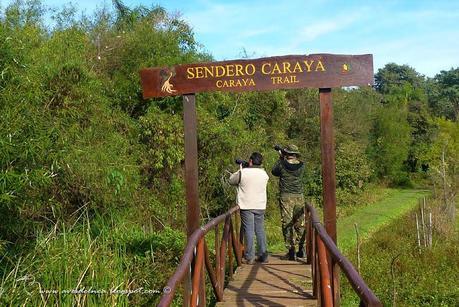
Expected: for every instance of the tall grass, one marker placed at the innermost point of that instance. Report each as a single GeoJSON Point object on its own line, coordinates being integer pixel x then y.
{"type": "Point", "coordinates": [399, 272]}
{"type": "Point", "coordinates": [372, 217]}
{"type": "Point", "coordinates": [103, 261]}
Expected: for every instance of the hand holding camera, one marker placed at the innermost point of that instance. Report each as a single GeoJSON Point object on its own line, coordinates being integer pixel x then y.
{"type": "Point", "coordinates": [242, 163]}
{"type": "Point", "coordinates": [280, 149]}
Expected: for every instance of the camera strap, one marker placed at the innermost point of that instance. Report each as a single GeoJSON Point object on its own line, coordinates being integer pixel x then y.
{"type": "Point", "coordinates": [240, 176]}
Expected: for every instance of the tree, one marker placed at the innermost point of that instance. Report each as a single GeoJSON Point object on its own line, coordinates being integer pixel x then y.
{"type": "Point", "coordinates": [444, 94]}
{"type": "Point", "coordinates": [390, 137]}
{"type": "Point", "coordinates": [422, 135]}
{"type": "Point", "coordinates": [443, 158]}
{"type": "Point", "coordinates": [394, 75]}
{"type": "Point", "coordinates": [404, 84]}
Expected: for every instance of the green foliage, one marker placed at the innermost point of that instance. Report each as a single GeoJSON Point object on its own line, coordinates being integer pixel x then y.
{"type": "Point", "coordinates": [78, 140]}
{"type": "Point", "coordinates": [353, 171]}
{"type": "Point", "coordinates": [372, 216]}
{"type": "Point", "coordinates": [443, 160]}
{"type": "Point", "coordinates": [162, 134]}
{"type": "Point", "coordinates": [354, 114]}
{"type": "Point", "coordinates": [394, 75]}
{"type": "Point", "coordinates": [65, 144]}
{"type": "Point", "coordinates": [138, 38]}
{"type": "Point", "coordinates": [104, 253]}
{"type": "Point", "coordinates": [421, 278]}
{"type": "Point", "coordinates": [446, 144]}
{"type": "Point", "coordinates": [422, 135]}
{"type": "Point", "coordinates": [390, 137]}
{"type": "Point", "coordinates": [304, 124]}
{"type": "Point", "coordinates": [444, 94]}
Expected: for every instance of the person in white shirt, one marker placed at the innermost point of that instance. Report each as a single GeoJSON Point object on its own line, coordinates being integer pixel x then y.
{"type": "Point", "coordinates": [251, 185]}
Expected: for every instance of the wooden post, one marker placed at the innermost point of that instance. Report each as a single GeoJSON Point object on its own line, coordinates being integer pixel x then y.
{"type": "Point", "coordinates": [417, 233]}
{"type": "Point", "coordinates": [217, 258]}
{"type": "Point", "coordinates": [314, 273]}
{"type": "Point", "coordinates": [191, 176]}
{"type": "Point", "coordinates": [328, 176]}
{"type": "Point", "coordinates": [328, 161]}
{"type": "Point", "coordinates": [325, 283]}
{"type": "Point", "coordinates": [191, 163]}
{"type": "Point", "coordinates": [197, 276]}
{"type": "Point", "coordinates": [309, 239]}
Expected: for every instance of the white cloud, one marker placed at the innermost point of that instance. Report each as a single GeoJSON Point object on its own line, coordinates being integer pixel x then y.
{"type": "Point", "coordinates": [316, 29]}
{"type": "Point", "coordinates": [426, 53]}
{"type": "Point", "coordinates": [216, 18]}
{"type": "Point", "coordinates": [256, 32]}
{"type": "Point", "coordinates": [313, 31]}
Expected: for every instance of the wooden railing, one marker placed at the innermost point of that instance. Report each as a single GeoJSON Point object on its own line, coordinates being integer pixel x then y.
{"type": "Point", "coordinates": [324, 256]}
{"type": "Point", "coordinates": [197, 253]}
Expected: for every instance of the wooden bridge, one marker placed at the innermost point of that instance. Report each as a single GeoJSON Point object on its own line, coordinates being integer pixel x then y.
{"type": "Point", "coordinates": [277, 283]}
{"type": "Point", "coordinates": [324, 258]}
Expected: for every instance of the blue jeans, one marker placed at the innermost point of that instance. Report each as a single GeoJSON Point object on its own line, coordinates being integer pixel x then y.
{"type": "Point", "coordinates": [253, 222]}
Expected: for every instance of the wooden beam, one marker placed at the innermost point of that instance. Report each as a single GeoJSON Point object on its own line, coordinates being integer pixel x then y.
{"type": "Point", "coordinates": [328, 175]}
{"type": "Point", "coordinates": [191, 177]}
{"type": "Point", "coordinates": [191, 163]}
{"type": "Point", "coordinates": [264, 74]}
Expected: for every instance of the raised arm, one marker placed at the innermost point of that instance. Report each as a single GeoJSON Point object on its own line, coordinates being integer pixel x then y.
{"type": "Point", "coordinates": [235, 178]}
{"type": "Point", "coordinates": [276, 171]}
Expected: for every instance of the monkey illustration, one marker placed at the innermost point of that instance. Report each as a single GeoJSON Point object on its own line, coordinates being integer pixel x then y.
{"type": "Point", "coordinates": [166, 75]}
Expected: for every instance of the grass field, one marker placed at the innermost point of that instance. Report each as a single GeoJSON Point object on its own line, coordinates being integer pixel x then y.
{"type": "Point", "coordinates": [401, 273]}
{"type": "Point", "coordinates": [106, 260]}
{"type": "Point", "coordinates": [113, 252]}
{"type": "Point", "coordinates": [372, 217]}
{"type": "Point", "coordinates": [385, 206]}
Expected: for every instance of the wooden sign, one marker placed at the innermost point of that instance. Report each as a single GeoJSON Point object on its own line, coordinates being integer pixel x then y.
{"type": "Point", "coordinates": [282, 72]}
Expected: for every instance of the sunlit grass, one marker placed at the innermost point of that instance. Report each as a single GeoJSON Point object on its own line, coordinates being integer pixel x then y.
{"type": "Point", "coordinates": [396, 269]}
{"type": "Point", "coordinates": [371, 217]}
{"type": "Point", "coordinates": [106, 256]}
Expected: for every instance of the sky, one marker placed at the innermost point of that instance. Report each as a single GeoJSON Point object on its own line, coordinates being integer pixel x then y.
{"type": "Point", "coordinates": [421, 34]}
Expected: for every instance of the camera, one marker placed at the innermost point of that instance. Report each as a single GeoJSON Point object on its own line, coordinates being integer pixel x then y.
{"type": "Point", "coordinates": [242, 162]}
{"type": "Point", "coordinates": [280, 150]}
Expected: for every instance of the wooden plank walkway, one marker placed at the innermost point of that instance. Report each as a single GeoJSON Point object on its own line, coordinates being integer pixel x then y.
{"type": "Point", "coordinates": [277, 283]}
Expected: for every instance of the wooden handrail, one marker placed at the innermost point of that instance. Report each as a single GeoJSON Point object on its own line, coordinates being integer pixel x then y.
{"type": "Point", "coordinates": [196, 249]}
{"type": "Point", "coordinates": [366, 295]}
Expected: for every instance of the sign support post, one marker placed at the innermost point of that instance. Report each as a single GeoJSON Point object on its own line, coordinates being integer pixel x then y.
{"type": "Point", "coordinates": [328, 161]}
{"type": "Point", "coordinates": [191, 163]}
{"type": "Point", "coordinates": [191, 181]}
{"type": "Point", "coordinates": [327, 147]}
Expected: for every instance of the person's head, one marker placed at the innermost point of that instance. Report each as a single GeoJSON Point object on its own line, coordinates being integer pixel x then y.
{"type": "Point", "coordinates": [256, 158]}
{"type": "Point", "coordinates": [292, 151]}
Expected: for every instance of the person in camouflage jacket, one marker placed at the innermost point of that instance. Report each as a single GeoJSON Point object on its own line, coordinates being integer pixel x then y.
{"type": "Point", "coordinates": [290, 170]}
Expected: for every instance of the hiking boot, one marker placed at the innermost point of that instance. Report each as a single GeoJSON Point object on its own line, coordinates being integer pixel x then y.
{"type": "Point", "coordinates": [245, 261]}
{"type": "Point", "coordinates": [290, 255]}
{"type": "Point", "coordinates": [301, 253]}
{"type": "Point", "coordinates": [263, 258]}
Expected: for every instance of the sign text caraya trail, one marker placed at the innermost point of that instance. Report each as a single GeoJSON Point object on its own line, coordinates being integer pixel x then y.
{"type": "Point", "coordinates": [294, 71]}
